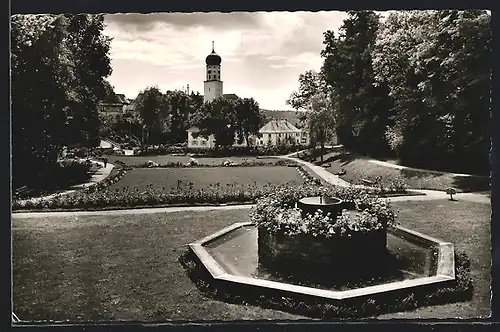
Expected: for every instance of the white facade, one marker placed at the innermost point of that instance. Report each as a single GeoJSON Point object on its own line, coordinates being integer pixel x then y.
{"type": "Point", "coordinates": [199, 142]}
{"type": "Point", "coordinates": [276, 132]}
{"type": "Point", "coordinates": [212, 90]}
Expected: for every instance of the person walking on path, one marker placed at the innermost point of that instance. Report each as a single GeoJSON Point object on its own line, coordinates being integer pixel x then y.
{"type": "Point", "coordinates": [105, 160]}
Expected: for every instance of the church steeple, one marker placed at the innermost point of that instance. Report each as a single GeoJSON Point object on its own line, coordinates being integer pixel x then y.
{"type": "Point", "coordinates": [213, 82]}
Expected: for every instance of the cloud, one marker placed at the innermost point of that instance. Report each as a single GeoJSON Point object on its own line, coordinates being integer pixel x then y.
{"type": "Point", "coordinates": [144, 22]}
{"type": "Point", "coordinates": [262, 52]}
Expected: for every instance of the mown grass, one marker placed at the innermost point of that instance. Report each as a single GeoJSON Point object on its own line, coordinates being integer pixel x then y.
{"type": "Point", "coordinates": [125, 267]}
{"type": "Point", "coordinates": [142, 179]}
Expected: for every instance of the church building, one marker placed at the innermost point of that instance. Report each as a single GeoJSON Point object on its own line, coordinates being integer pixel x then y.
{"type": "Point", "coordinates": [274, 132]}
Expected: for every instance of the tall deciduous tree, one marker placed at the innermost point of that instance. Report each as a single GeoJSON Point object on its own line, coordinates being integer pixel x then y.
{"type": "Point", "coordinates": [152, 108]}
{"type": "Point", "coordinates": [310, 84]}
{"type": "Point", "coordinates": [347, 69]}
{"type": "Point", "coordinates": [51, 95]}
{"type": "Point", "coordinates": [436, 65]}
{"type": "Point", "coordinates": [321, 120]}
{"type": "Point", "coordinates": [249, 119]}
{"type": "Point", "coordinates": [89, 51]}
{"type": "Point", "coordinates": [179, 109]}
{"type": "Point", "coordinates": [219, 119]}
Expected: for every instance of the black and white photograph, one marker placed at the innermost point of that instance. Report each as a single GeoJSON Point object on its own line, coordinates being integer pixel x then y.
{"type": "Point", "coordinates": [250, 166]}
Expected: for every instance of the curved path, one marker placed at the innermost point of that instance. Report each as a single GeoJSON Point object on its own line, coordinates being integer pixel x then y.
{"type": "Point", "coordinates": [426, 194]}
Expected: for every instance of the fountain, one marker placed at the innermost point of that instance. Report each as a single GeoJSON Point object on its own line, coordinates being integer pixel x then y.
{"type": "Point", "coordinates": [332, 205]}
{"type": "Point", "coordinates": [271, 255]}
{"type": "Point", "coordinates": [310, 254]}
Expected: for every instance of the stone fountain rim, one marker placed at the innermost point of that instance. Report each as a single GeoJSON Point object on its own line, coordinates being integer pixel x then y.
{"type": "Point", "coordinates": [338, 200]}
{"type": "Point", "coordinates": [445, 272]}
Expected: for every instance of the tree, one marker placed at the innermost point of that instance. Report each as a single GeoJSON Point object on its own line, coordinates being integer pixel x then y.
{"type": "Point", "coordinates": [347, 70]}
{"type": "Point", "coordinates": [321, 120]}
{"type": "Point", "coordinates": [249, 119]}
{"type": "Point", "coordinates": [109, 95]}
{"type": "Point", "coordinates": [436, 65]}
{"type": "Point", "coordinates": [51, 96]}
{"type": "Point", "coordinates": [152, 108]}
{"type": "Point", "coordinates": [90, 64]}
{"type": "Point", "coordinates": [310, 84]}
{"type": "Point", "coordinates": [219, 119]}
{"type": "Point", "coordinates": [179, 108]}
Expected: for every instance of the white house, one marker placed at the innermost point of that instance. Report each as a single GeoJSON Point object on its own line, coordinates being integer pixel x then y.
{"type": "Point", "coordinates": [199, 142]}
{"type": "Point", "coordinates": [279, 131]}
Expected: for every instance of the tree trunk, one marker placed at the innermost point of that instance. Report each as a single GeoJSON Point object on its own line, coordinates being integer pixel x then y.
{"type": "Point", "coordinates": [322, 150]}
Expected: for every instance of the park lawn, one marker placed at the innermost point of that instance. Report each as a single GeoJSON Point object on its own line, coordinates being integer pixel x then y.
{"type": "Point", "coordinates": [125, 267]}
{"type": "Point", "coordinates": [468, 226]}
{"type": "Point", "coordinates": [95, 268]}
{"type": "Point", "coordinates": [358, 168]}
{"type": "Point", "coordinates": [165, 159]}
{"type": "Point", "coordinates": [145, 178]}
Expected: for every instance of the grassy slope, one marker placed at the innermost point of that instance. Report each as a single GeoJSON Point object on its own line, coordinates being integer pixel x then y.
{"type": "Point", "coordinates": [125, 267]}
{"type": "Point", "coordinates": [358, 168]}
{"type": "Point", "coordinates": [204, 177]}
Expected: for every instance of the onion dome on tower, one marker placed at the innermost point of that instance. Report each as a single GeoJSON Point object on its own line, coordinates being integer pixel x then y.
{"type": "Point", "coordinates": [213, 59]}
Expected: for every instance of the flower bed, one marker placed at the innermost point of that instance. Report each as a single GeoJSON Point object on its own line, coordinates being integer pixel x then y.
{"type": "Point", "coordinates": [289, 242]}
{"type": "Point", "coordinates": [308, 178]}
{"type": "Point", "coordinates": [179, 164]}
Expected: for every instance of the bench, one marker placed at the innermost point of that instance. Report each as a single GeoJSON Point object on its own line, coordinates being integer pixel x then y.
{"type": "Point", "coordinates": [368, 182]}
{"type": "Point", "coordinates": [341, 172]}
{"type": "Point", "coordinates": [20, 190]}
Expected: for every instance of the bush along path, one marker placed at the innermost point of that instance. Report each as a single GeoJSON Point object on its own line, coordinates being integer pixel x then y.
{"type": "Point", "coordinates": [424, 195]}
{"type": "Point", "coordinates": [97, 178]}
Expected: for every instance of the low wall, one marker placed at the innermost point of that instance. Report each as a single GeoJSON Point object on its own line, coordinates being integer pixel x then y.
{"type": "Point", "coordinates": [318, 254]}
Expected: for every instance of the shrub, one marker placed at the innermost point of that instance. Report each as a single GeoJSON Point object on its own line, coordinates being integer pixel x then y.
{"type": "Point", "coordinates": [246, 151]}
{"type": "Point", "coordinates": [178, 164]}
{"type": "Point", "coordinates": [73, 171]}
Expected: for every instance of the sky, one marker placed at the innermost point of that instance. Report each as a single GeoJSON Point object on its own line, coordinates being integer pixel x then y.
{"type": "Point", "coordinates": [262, 53]}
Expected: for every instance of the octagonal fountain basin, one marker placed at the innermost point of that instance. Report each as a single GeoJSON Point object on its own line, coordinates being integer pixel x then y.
{"type": "Point", "coordinates": [416, 261]}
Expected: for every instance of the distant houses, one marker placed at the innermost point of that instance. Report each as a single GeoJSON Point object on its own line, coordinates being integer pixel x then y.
{"type": "Point", "coordinates": [114, 107]}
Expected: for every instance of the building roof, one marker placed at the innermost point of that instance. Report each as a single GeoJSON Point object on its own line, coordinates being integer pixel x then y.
{"type": "Point", "coordinates": [279, 126]}
{"type": "Point", "coordinates": [121, 98]}
{"type": "Point", "coordinates": [230, 96]}
{"type": "Point", "coordinates": [193, 130]}
{"type": "Point", "coordinates": [110, 104]}
{"type": "Point", "coordinates": [291, 116]}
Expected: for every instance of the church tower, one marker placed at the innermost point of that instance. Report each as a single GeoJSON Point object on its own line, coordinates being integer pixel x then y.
{"type": "Point", "coordinates": [213, 82]}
